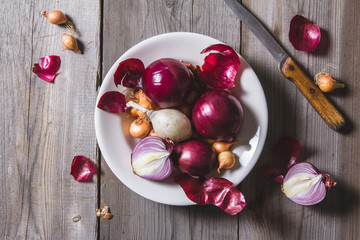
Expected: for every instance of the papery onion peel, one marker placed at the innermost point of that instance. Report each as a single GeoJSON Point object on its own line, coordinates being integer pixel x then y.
{"type": "Point", "coordinates": [113, 102]}
{"type": "Point", "coordinates": [285, 155]}
{"type": "Point", "coordinates": [220, 68]}
{"type": "Point", "coordinates": [47, 70]}
{"type": "Point", "coordinates": [82, 168]}
{"type": "Point", "coordinates": [129, 73]}
{"type": "Point", "coordinates": [216, 191]}
{"type": "Point", "coordinates": [304, 35]}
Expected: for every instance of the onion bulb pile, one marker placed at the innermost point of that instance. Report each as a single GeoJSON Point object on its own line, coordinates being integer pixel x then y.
{"type": "Point", "coordinates": [158, 96]}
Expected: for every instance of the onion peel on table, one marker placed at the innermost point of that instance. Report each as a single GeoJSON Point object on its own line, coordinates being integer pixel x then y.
{"type": "Point", "coordinates": [285, 155]}
{"type": "Point", "coordinates": [216, 191]}
{"type": "Point", "coordinates": [48, 67]}
{"type": "Point", "coordinates": [220, 68]}
{"type": "Point", "coordinates": [129, 73]}
{"type": "Point", "coordinates": [113, 102]}
{"type": "Point", "coordinates": [82, 168]}
{"type": "Point", "coordinates": [303, 35]}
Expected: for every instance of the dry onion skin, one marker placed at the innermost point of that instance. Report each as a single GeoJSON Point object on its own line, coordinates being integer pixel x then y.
{"type": "Point", "coordinates": [326, 82]}
{"type": "Point", "coordinates": [219, 146]}
{"type": "Point", "coordinates": [70, 43]}
{"type": "Point", "coordinates": [59, 18]}
{"type": "Point", "coordinates": [303, 35]}
{"type": "Point", "coordinates": [226, 160]}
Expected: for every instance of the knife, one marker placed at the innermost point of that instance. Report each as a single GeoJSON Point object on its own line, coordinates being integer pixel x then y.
{"type": "Point", "coordinates": [289, 68]}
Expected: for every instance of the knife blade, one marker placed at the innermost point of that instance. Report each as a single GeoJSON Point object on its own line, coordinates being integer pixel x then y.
{"type": "Point", "coordinates": [289, 68]}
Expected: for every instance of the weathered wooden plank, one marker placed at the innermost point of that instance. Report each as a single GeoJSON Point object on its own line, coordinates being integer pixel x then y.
{"type": "Point", "coordinates": [271, 215]}
{"type": "Point", "coordinates": [125, 24]}
{"type": "Point", "coordinates": [45, 125]}
{"type": "Point", "coordinates": [215, 19]}
{"type": "Point", "coordinates": [16, 53]}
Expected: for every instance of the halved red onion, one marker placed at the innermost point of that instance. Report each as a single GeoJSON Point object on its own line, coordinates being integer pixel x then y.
{"type": "Point", "coordinates": [216, 191]}
{"type": "Point", "coordinates": [129, 73]}
{"type": "Point", "coordinates": [82, 168]}
{"type": "Point", "coordinates": [47, 70]}
{"type": "Point", "coordinates": [113, 102]}
{"type": "Point", "coordinates": [150, 159]}
{"type": "Point", "coordinates": [285, 154]}
{"type": "Point", "coordinates": [218, 115]}
{"type": "Point", "coordinates": [303, 35]}
{"type": "Point", "coordinates": [167, 82]}
{"type": "Point", "coordinates": [304, 185]}
{"type": "Point", "coordinates": [220, 68]}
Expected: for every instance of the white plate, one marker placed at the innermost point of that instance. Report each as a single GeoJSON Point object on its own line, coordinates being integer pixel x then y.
{"type": "Point", "coordinates": [112, 129]}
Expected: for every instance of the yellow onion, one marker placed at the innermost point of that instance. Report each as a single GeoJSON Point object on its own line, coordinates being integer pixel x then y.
{"type": "Point", "coordinates": [55, 17]}
{"type": "Point", "coordinates": [70, 43]}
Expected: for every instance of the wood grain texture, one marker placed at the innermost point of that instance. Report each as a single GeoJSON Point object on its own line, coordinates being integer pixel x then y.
{"type": "Point", "coordinates": [126, 23]}
{"type": "Point", "coordinates": [270, 215]}
{"type": "Point", "coordinates": [45, 125]}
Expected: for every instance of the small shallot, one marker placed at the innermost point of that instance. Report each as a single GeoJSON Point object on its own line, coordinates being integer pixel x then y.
{"type": "Point", "coordinates": [326, 82]}
{"type": "Point", "coordinates": [59, 18]}
{"type": "Point", "coordinates": [304, 185]}
{"type": "Point", "coordinates": [55, 17]}
{"type": "Point", "coordinates": [222, 146]}
{"type": "Point", "coordinates": [70, 43]}
{"type": "Point", "coordinates": [140, 127]}
{"type": "Point", "coordinates": [226, 160]}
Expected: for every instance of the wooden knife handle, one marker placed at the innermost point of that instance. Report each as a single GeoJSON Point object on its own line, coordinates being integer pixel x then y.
{"type": "Point", "coordinates": [313, 94]}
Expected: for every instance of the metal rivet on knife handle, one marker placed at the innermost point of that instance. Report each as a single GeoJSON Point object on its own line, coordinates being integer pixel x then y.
{"type": "Point", "coordinates": [313, 94]}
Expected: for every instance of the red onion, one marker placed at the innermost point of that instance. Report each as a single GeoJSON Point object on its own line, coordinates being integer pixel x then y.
{"type": "Point", "coordinates": [304, 185]}
{"type": "Point", "coordinates": [150, 159]}
{"type": "Point", "coordinates": [47, 70]}
{"type": "Point", "coordinates": [194, 157]}
{"type": "Point", "coordinates": [218, 115]}
{"type": "Point", "coordinates": [167, 82]}
{"type": "Point", "coordinates": [303, 35]}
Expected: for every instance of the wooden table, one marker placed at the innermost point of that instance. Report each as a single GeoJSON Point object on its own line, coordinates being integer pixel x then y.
{"type": "Point", "coordinates": [44, 125]}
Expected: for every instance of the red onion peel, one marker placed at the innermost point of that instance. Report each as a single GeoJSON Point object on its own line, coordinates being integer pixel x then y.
{"type": "Point", "coordinates": [220, 68]}
{"type": "Point", "coordinates": [82, 168]}
{"type": "Point", "coordinates": [129, 73]}
{"type": "Point", "coordinates": [47, 70]}
{"type": "Point", "coordinates": [285, 154]}
{"type": "Point", "coordinates": [113, 102]}
{"type": "Point", "coordinates": [216, 191]}
{"type": "Point", "coordinates": [303, 35]}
